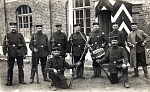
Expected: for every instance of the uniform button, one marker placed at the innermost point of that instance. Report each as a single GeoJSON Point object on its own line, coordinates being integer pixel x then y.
{"type": "Point", "coordinates": [79, 46]}
{"type": "Point", "coordinates": [58, 44]}
{"type": "Point", "coordinates": [13, 45]}
{"type": "Point", "coordinates": [95, 42]}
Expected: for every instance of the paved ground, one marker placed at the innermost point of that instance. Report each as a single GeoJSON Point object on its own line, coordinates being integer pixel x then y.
{"type": "Point", "coordinates": [140, 84]}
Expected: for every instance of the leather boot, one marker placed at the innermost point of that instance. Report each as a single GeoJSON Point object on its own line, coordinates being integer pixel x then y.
{"type": "Point", "coordinates": [32, 76]}
{"type": "Point", "coordinates": [98, 71]}
{"type": "Point", "coordinates": [94, 69]}
{"type": "Point", "coordinates": [146, 72]}
{"type": "Point", "coordinates": [77, 73]}
{"type": "Point", "coordinates": [45, 75]}
{"type": "Point", "coordinates": [9, 78]}
{"type": "Point", "coordinates": [81, 73]}
{"type": "Point", "coordinates": [136, 73]}
{"type": "Point", "coordinates": [126, 85]}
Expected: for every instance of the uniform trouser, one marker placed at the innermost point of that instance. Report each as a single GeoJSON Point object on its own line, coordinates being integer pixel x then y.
{"type": "Point", "coordinates": [35, 62]}
{"type": "Point", "coordinates": [58, 80]}
{"type": "Point", "coordinates": [11, 61]}
{"type": "Point", "coordinates": [114, 76]}
{"type": "Point", "coordinates": [80, 68]}
{"type": "Point", "coordinates": [141, 60]}
{"type": "Point", "coordinates": [96, 67]}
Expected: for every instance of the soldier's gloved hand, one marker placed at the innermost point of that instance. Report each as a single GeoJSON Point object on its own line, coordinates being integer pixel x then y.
{"type": "Point", "coordinates": [124, 66]}
{"type": "Point", "coordinates": [50, 56]}
{"type": "Point", "coordinates": [143, 44]}
{"type": "Point", "coordinates": [71, 54]}
{"type": "Point", "coordinates": [35, 50]}
{"type": "Point", "coordinates": [103, 45]}
{"type": "Point", "coordinates": [78, 63]}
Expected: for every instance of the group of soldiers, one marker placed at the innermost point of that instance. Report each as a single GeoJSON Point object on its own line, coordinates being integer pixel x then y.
{"type": "Point", "coordinates": [58, 46]}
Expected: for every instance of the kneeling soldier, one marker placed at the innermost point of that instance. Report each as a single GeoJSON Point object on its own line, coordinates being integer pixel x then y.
{"type": "Point", "coordinates": [59, 64]}
{"type": "Point", "coordinates": [117, 62]}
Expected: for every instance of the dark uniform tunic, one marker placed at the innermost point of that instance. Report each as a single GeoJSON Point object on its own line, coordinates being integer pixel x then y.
{"type": "Point", "coordinates": [58, 79]}
{"type": "Point", "coordinates": [59, 39]}
{"type": "Point", "coordinates": [77, 48]}
{"type": "Point", "coordinates": [121, 37]}
{"type": "Point", "coordinates": [40, 42]}
{"type": "Point", "coordinates": [16, 49]}
{"type": "Point", "coordinates": [114, 55]}
{"type": "Point", "coordinates": [96, 40]}
{"type": "Point", "coordinates": [77, 43]}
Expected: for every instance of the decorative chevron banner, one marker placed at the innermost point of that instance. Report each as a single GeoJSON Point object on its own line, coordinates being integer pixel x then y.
{"type": "Point", "coordinates": [121, 12]}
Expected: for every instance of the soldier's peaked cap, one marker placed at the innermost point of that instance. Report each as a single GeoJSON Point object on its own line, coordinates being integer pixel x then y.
{"type": "Point", "coordinates": [38, 25]}
{"type": "Point", "coordinates": [115, 23]}
{"type": "Point", "coordinates": [77, 25]}
{"type": "Point", "coordinates": [95, 23]}
{"type": "Point", "coordinates": [58, 25]}
{"type": "Point", "coordinates": [56, 48]}
{"type": "Point", "coordinates": [133, 23]}
{"type": "Point", "coordinates": [113, 38]}
{"type": "Point", "coordinates": [12, 23]}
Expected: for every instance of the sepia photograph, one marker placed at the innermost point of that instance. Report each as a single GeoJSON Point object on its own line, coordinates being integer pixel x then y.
{"type": "Point", "coordinates": [74, 45]}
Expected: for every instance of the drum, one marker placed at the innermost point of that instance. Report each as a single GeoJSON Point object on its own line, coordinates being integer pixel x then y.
{"type": "Point", "coordinates": [98, 53]}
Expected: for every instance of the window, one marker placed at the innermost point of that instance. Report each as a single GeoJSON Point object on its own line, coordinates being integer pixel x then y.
{"type": "Point", "coordinates": [81, 14]}
{"type": "Point", "coordinates": [24, 20]}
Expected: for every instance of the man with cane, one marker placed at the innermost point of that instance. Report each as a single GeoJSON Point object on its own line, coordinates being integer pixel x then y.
{"type": "Point", "coordinates": [39, 47]}
{"type": "Point", "coordinates": [78, 45]}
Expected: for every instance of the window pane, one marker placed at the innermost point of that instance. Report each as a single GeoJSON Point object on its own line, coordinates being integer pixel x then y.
{"type": "Point", "coordinates": [76, 3]}
{"type": "Point", "coordinates": [20, 25]}
{"type": "Point", "coordinates": [77, 14]}
{"type": "Point", "coordinates": [30, 19]}
{"type": "Point", "coordinates": [81, 13]}
{"type": "Point", "coordinates": [88, 22]}
{"type": "Point", "coordinates": [77, 21]}
{"type": "Point", "coordinates": [87, 3]}
{"type": "Point", "coordinates": [19, 10]}
{"type": "Point", "coordinates": [20, 19]}
{"type": "Point", "coordinates": [81, 22]}
{"type": "Point", "coordinates": [30, 10]}
{"type": "Point", "coordinates": [80, 3]}
{"type": "Point", "coordinates": [87, 13]}
{"type": "Point", "coordinates": [25, 25]}
{"type": "Point", "coordinates": [88, 30]}
{"type": "Point", "coordinates": [24, 9]}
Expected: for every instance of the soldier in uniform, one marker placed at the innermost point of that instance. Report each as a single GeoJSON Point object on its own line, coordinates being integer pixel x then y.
{"type": "Point", "coordinates": [137, 40]}
{"type": "Point", "coordinates": [77, 43]}
{"type": "Point", "coordinates": [14, 46]}
{"type": "Point", "coordinates": [59, 38]}
{"type": "Point", "coordinates": [39, 47]}
{"type": "Point", "coordinates": [117, 61]}
{"type": "Point", "coordinates": [55, 67]}
{"type": "Point", "coordinates": [97, 40]}
{"type": "Point", "coordinates": [120, 34]}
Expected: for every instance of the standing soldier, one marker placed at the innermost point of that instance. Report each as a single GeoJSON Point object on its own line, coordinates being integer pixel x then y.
{"type": "Point", "coordinates": [120, 34]}
{"type": "Point", "coordinates": [137, 40]}
{"type": "Point", "coordinates": [97, 40]}
{"type": "Point", "coordinates": [59, 38]}
{"type": "Point", "coordinates": [77, 41]}
{"type": "Point", "coordinates": [39, 47]}
{"type": "Point", "coordinates": [14, 46]}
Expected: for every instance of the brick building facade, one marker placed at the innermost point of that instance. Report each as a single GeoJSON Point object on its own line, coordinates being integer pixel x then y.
{"type": "Point", "coordinates": [50, 12]}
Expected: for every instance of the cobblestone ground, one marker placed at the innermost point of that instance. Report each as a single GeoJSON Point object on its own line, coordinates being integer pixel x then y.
{"type": "Point", "coordinates": [140, 84]}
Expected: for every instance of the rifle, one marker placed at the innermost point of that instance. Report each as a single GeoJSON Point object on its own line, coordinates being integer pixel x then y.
{"type": "Point", "coordinates": [91, 51]}
{"type": "Point", "coordinates": [35, 71]}
{"type": "Point", "coordinates": [73, 70]}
